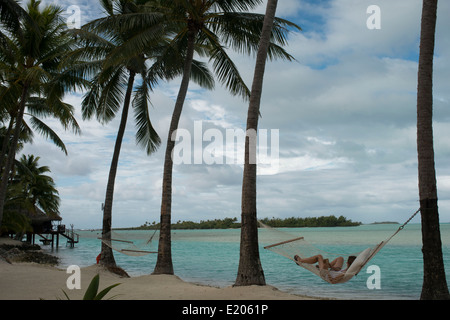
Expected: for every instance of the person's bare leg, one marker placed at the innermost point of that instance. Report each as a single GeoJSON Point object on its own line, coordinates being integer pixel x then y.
{"type": "Point", "coordinates": [310, 260]}
{"type": "Point", "coordinates": [325, 264]}
{"type": "Point", "coordinates": [314, 259]}
{"type": "Point", "coordinates": [337, 263]}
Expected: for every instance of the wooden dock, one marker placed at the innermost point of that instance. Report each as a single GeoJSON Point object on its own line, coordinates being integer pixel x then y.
{"type": "Point", "coordinates": [50, 236]}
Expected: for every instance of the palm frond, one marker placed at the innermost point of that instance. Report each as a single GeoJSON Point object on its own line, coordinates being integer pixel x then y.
{"type": "Point", "coordinates": [201, 75]}
{"type": "Point", "coordinates": [227, 72]}
{"type": "Point", "coordinates": [89, 104]}
{"type": "Point", "coordinates": [64, 112]}
{"type": "Point", "coordinates": [235, 6]}
{"type": "Point", "coordinates": [47, 132]}
{"type": "Point", "coordinates": [146, 135]}
{"type": "Point", "coordinates": [241, 31]}
{"type": "Point", "coordinates": [108, 6]}
{"type": "Point", "coordinates": [111, 96]}
{"type": "Point", "coordinates": [11, 15]}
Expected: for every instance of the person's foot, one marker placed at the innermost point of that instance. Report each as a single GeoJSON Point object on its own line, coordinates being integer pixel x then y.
{"type": "Point", "coordinates": [297, 258]}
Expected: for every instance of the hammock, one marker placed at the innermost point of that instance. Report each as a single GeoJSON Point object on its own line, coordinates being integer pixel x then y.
{"type": "Point", "coordinates": [135, 247]}
{"type": "Point", "coordinates": [300, 247]}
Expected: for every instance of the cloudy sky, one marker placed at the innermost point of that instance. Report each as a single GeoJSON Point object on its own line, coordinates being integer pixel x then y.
{"type": "Point", "coordinates": [344, 111]}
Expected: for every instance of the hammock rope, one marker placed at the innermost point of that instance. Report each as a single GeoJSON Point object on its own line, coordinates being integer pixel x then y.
{"type": "Point", "coordinates": [129, 247]}
{"type": "Point", "coordinates": [303, 249]}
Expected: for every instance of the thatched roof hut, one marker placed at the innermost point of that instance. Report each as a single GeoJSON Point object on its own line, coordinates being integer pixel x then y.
{"type": "Point", "coordinates": [42, 222]}
{"type": "Point", "coordinates": [39, 220]}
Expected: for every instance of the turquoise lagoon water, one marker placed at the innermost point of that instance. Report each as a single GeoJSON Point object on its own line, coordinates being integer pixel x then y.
{"type": "Point", "coordinates": [211, 257]}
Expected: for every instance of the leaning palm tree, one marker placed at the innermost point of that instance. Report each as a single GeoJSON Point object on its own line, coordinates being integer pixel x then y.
{"type": "Point", "coordinates": [208, 27]}
{"type": "Point", "coordinates": [434, 282]}
{"type": "Point", "coordinates": [30, 65]}
{"type": "Point", "coordinates": [106, 96]}
{"type": "Point", "coordinates": [250, 271]}
{"type": "Point", "coordinates": [113, 67]}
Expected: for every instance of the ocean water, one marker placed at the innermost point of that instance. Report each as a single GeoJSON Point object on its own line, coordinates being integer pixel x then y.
{"type": "Point", "coordinates": [211, 257]}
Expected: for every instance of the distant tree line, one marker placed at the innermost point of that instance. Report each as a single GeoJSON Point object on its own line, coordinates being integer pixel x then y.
{"type": "Point", "coordinates": [310, 222]}
{"type": "Point", "coordinates": [230, 223]}
{"type": "Point", "coordinates": [227, 223]}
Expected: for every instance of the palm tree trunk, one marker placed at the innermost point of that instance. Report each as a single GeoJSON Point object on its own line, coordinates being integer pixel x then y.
{"type": "Point", "coordinates": [434, 282]}
{"type": "Point", "coordinates": [6, 142]}
{"type": "Point", "coordinates": [164, 263]}
{"type": "Point", "coordinates": [250, 271]}
{"type": "Point", "coordinates": [107, 256]}
{"type": "Point", "coordinates": [12, 150]}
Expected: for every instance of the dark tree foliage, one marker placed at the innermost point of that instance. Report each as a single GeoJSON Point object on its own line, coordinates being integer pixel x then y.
{"type": "Point", "coordinates": [231, 223]}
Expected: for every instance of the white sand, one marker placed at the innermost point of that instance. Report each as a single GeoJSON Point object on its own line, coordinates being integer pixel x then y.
{"type": "Point", "coordinates": [30, 281]}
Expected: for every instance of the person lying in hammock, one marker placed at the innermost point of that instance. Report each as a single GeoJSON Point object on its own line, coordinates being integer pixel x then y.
{"type": "Point", "coordinates": [334, 268]}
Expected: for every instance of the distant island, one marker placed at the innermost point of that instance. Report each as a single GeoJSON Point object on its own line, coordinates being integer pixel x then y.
{"type": "Point", "coordinates": [312, 222]}
{"type": "Point", "coordinates": [231, 223]}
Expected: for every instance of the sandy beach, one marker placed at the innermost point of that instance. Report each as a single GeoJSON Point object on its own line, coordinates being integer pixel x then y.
{"type": "Point", "coordinates": [32, 281]}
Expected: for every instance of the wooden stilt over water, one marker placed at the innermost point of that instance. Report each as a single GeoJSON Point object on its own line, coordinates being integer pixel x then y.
{"type": "Point", "coordinates": [47, 237]}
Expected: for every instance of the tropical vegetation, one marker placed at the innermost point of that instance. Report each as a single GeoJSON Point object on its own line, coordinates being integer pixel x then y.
{"type": "Point", "coordinates": [232, 223]}
{"type": "Point", "coordinates": [208, 27]}
{"type": "Point", "coordinates": [31, 189]}
{"type": "Point", "coordinates": [33, 44]}
{"type": "Point", "coordinates": [117, 60]}
{"type": "Point", "coordinates": [187, 28]}
{"type": "Point", "coordinates": [122, 74]}
{"type": "Point", "coordinates": [92, 290]}
{"type": "Point", "coordinates": [310, 222]}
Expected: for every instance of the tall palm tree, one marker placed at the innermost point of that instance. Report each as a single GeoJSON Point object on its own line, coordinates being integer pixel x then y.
{"type": "Point", "coordinates": [210, 26]}
{"type": "Point", "coordinates": [434, 282]}
{"type": "Point", "coordinates": [250, 271]}
{"type": "Point", "coordinates": [106, 96]}
{"type": "Point", "coordinates": [105, 43]}
{"type": "Point", "coordinates": [30, 64]}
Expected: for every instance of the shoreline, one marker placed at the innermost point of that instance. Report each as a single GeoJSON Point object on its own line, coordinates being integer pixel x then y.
{"type": "Point", "coordinates": [34, 281]}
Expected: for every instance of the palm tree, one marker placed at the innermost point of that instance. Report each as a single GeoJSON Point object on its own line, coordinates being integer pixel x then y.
{"type": "Point", "coordinates": [105, 43]}
{"type": "Point", "coordinates": [30, 65]}
{"type": "Point", "coordinates": [30, 190]}
{"type": "Point", "coordinates": [208, 27]}
{"type": "Point", "coordinates": [37, 188]}
{"type": "Point", "coordinates": [106, 95]}
{"type": "Point", "coordinates": [434, 282]}
{"type": "Point", "coordinates": [250, 271]}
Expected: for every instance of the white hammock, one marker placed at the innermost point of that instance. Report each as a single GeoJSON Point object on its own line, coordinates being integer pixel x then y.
{"type": "Point", "coordinates": [300, 247]}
